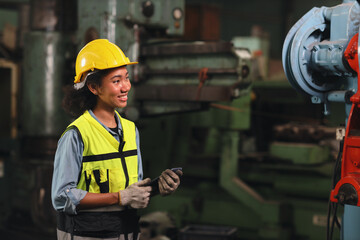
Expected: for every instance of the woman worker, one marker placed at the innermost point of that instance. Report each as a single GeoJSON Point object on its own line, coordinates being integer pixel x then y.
{"type": "Point", "coordinates": [97, 181]}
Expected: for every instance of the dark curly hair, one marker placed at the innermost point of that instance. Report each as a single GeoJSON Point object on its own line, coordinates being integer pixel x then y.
{"type": "Point", "coordinates": [76, 102]}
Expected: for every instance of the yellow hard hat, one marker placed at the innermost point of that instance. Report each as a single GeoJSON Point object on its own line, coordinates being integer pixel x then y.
{"type": "Point", "coordinates": [99, 54]}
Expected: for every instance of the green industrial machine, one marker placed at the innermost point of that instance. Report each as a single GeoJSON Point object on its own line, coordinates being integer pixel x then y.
{"type": "Point", "coordinates": [280, 193]}
{"type": "Point", "coordinates": [196, 105]}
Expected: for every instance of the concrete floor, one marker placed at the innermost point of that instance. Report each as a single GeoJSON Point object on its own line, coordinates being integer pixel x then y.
{"type": "Point", "coordinates": [19, 226]}
{"type": "Point", "coordinates": [22, 235]}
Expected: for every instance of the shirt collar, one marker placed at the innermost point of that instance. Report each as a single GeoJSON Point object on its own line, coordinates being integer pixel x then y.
{"type": "Point", "coordinates": [108, 129]}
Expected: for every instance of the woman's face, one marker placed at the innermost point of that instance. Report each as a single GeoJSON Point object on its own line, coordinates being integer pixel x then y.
{"type": "Point", "coordinates": [113, 92]}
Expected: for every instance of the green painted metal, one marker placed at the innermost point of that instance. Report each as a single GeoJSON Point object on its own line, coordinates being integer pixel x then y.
{"type": "Point", "coordinates": [194, 136]}
{"type": "Point", "coordinates": [288, 181]}
{"type": "Point", "coordinates": [104, 20]}
{"type": "Point", "coordinates": [5, 186]}
{"type": "Point", "coordinates": [237, 116]}
{"type": "Point", "coordinates": [225, 65]}
{"type": "Point", "coordinates": [114, 19]}
{"type": "Point", "coordinates": [223, 59]}
{"type": "Point", "coordinates": [43, 78]}
{"type": "Point", "coordinates": [259, 48]}
{"type": "Point", "coordinates": [300, 153]}
{"type": "Point", "coordinates": [208, 150]}
{"type": "Point", "coordinates": [207, 206]}
{"type": "Point", "coordinates": [310, 218]}
{"type": "Point", "coordinates": [270, 200]}
{"type": "Point", "coordinates": [324, 169]}
{"type": "Point", "coordinates": [313, 187]}
{"type": "Point", "coordinates": [218, 60]}
{"type": "Point", "coordinates": [8, 17]}
{"type": "Point", "coordinates": [269, 211]}
{"type": "Point", "coordinates": [212, 205]}
{"type": "Point", "coordinates": [120, 21]}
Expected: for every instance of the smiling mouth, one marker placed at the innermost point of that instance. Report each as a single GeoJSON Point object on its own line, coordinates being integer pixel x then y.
{"type": "Point", "coordinates": [123, 98]}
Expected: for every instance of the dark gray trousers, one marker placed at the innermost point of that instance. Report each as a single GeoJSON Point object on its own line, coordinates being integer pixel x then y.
{"type": "Point", "coordinates": [67, 236]}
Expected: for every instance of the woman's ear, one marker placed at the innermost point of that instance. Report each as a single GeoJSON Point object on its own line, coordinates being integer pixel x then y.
{"type": "Point", "coordinates": [93, 88]}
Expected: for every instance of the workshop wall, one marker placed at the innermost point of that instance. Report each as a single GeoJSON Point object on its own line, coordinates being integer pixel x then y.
{"type": "Point", "coordinates": [8, 16]}
{"type": "Point", "coordinates": [275, 18]}
{"type": "Point", "coordinates": [235, 18]}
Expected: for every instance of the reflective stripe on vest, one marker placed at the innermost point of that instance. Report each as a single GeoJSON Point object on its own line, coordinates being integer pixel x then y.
{"type": "Point", "coordinates": [107, 165]}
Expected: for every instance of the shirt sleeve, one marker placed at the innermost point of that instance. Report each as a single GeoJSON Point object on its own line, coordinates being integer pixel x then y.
{"type": "Point", "coordinates": [67, 165]}
{"type": "Point", "coordinates": [140, 167]}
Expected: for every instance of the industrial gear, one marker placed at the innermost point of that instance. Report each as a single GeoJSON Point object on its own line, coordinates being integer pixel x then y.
{"type": "Point", "coordinates": [107, 165]}
{"type": "Point", "coordinates": [99, 54]}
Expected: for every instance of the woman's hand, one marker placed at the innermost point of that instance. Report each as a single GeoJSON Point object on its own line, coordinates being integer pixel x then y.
{"type": "Point", "coordinates": [136, 195]}
{"type": "Point", "coordinates": [169, 181]}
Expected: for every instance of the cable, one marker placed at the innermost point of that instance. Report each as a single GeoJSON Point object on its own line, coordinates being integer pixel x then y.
{"type": "Point", "coordinates": [332, 207]}
{"type": "Point", "coordinates": [328, 221]}
{"type": "Point", "coordinates": [337, 223]}
{"type": "Point", "coordinates": [333, 221]}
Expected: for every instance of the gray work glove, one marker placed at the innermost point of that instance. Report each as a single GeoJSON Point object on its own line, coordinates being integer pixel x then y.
{"type": "Point", "coordinates": [136, 195]}
{"type": "Point", "coordinates": [169, 181]}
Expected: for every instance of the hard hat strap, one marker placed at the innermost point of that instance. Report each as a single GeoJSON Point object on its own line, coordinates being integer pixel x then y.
{"type": "Point", "coordinates": [81, 84]}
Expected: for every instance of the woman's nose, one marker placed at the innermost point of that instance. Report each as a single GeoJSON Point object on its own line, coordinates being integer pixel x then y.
{"type": "Point", "coordinates": [126, 87]}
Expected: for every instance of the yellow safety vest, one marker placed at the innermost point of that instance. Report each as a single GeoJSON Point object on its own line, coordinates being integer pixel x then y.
{"type": "Point", "coordinates": [107, 165]}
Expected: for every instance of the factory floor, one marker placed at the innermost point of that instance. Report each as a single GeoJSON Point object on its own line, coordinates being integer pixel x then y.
{"type": "Point", "coordinates": [20, 227]}
{"type": "Point", "coordinates": [18, 235]}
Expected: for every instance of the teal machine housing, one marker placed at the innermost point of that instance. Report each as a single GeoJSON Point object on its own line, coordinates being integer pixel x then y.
{"type": "Point", "coordinates": [314, 63]}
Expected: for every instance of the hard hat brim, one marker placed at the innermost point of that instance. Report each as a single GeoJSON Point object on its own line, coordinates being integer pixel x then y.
{"type": "Point", "coordinates": [79, 77]}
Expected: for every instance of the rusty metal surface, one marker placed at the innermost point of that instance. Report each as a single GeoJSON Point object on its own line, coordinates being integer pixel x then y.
{"type": "Point", "coordinates": [301, 132]}
{"type": "Point", "coordinates": [189, 71]}
{"type": "Point", "coordinates": [187, 48]}
{"type": "Point", "coordinates": [183, 93]}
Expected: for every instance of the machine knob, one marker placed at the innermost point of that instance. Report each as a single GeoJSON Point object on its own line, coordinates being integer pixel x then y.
{"type": "Point", "coordinates": [148, 8]}
{"type": "Point", "coordinates": [347, 195]}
